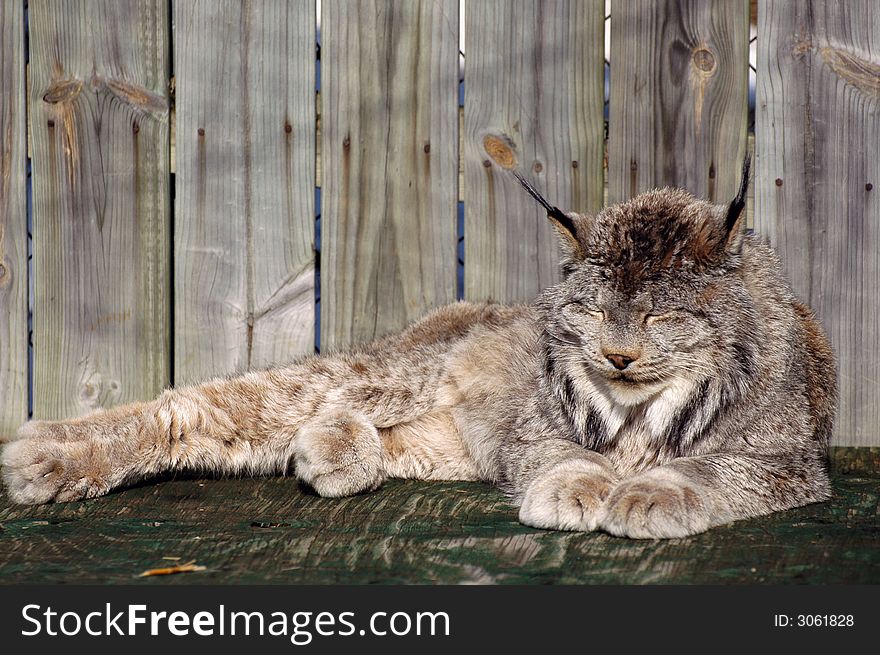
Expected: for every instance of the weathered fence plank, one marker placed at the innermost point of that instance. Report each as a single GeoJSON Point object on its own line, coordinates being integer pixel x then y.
{"type": "Point", "coordinates": [13, 223]}
{"type": "Point", "coordinates": [389, 155]}
{"type": "Point", "coordinates": [679, 96]}
{"type": "Point", "coordinates": [245, 182]}
{"type": "Point", "coordinates": [99, 115]}
{"type": "Point", "coordinates": [534, 82]}
{"type": "Point", "coordinates": [818, 133]}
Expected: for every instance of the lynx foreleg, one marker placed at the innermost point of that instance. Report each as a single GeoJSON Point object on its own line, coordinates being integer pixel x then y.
{"type": "Point", "coordinates": [560, 484]}
{"type": "Point", "coordinates": [692, 494]}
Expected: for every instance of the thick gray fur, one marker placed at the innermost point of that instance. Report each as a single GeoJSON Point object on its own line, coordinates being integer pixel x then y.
{"type": "Point", "coordinates": [670, 383]}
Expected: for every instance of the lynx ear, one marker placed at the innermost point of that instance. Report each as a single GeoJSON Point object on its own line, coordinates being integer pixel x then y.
{"type": "Point", "coordinates": [568, 226]}
{"type": "Point", "coordinates": [733, 223]}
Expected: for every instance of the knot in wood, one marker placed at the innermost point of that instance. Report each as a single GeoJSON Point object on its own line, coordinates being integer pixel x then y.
{"type": "Point", "coordinates": [500, 150]}
{"type": "Point", "coordinates": [62, 91]}
{"type": "Point", "coordinates": [703, 60]}
{"type": "Point", "coordinates": [88, 391]}
{"type": "Point", "coordinates": [862, 74]}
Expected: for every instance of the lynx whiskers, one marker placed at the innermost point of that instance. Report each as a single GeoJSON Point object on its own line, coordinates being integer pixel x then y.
{"type": "Point", "coordinates": [670, 382]}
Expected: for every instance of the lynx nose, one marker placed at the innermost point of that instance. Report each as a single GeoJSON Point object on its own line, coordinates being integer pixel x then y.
{"type": "Point", "coordinates": [619, 361]}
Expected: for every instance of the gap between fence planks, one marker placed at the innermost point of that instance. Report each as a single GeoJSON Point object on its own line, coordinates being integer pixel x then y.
{"type": "Point", "coordinates": [245, 183]}
{"type": "Point", "coordinates": [99, 117]}
{"type": "Point", "coordinates": [13, 223]}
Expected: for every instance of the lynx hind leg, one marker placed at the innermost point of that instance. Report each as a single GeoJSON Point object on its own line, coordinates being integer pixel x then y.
{"type": "Point", "coordinates": [53, 461]}
{"type": "Point", "coordinates": [339, 454]}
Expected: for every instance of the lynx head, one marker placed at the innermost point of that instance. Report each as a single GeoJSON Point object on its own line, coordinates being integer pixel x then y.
{"type": "Point", "coordinates": [650, 294]}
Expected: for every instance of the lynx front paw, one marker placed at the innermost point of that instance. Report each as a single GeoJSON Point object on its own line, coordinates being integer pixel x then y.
{"type": "Point", "coordinates": [45, 464]}
{"type": "Point", "coordinates": [339, 454]}
{"type": "Point", "coordinates": [658, 504]}
{"type": "Point", "coordinates": [568, 497]}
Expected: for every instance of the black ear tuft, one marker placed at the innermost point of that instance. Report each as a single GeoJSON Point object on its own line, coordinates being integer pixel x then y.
{"type": "Point", "coordinates": [554, 212]}
{"type": "Point", "coordinates": [564, 223]}
{"type": "Point", "coordinates": [739, 202]}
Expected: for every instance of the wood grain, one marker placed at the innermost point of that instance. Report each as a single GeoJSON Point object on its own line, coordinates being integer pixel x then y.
{"type": "Point", "coordinates": [460, 149]}
{"type": "Point", "coordinates": [99, 115]}
{"type": "Point", "coordinates": [271, 531]}
{"type": "Point", "coordinates": [534, 80]}
{"type": "Point", "coordinates": [818, 176]}
{"type": "Point", "coordinates": [13, 223]}
{"type": "Point", "coordinates": [244, 213]}
{"type": "Point", "coordinates": [389, 155]}
{"type": "Point", "coordinates": [679, 97]}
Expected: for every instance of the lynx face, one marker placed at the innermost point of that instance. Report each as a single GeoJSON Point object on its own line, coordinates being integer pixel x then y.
{"type": "Point", "coordinates": [644, 280]}
{"type": "Point", "coordinates": [637, 344]}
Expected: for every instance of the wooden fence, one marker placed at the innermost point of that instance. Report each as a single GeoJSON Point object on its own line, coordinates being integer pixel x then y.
{"type": "Point", "coordinates": [153, 266]}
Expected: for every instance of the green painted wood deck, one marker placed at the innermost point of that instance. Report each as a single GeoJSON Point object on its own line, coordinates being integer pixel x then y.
{"type": "Point", "coordinates": [272, 530]}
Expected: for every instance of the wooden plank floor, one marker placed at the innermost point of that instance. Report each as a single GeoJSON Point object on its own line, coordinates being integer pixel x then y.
{"type": "Point", "coordinates": [274, 531]}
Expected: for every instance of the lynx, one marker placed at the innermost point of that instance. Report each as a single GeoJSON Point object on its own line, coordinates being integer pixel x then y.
{"type": "Point", "coordinates": [671, 382]}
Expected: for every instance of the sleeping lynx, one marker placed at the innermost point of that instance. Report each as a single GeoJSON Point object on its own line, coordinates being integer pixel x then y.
{"type": "Point", "coordinates": [670, 383]}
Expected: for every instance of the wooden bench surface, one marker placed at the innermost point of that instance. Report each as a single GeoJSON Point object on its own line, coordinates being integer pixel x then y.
{"type": "Point", "coordinates": [274, 531]}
